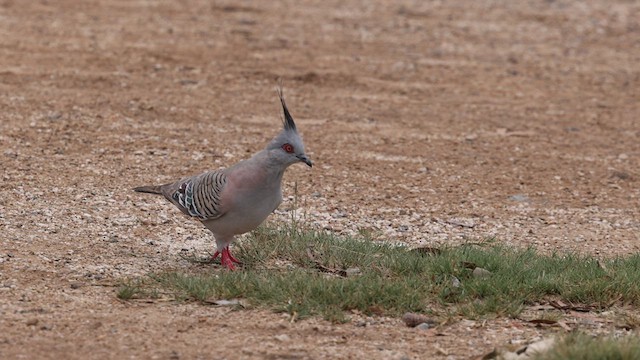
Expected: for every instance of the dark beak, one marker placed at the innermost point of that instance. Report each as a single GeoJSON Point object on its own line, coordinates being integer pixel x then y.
{"type": "Point", "coordinates": [305, 160]}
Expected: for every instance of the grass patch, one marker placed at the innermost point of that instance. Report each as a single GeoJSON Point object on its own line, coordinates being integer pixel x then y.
{"type": "Point", "coordinates": [136, 289]}
{"type": "Point", "coordinates": [302, 273]}
{"type": "Point", "coordinates": [580, 346]}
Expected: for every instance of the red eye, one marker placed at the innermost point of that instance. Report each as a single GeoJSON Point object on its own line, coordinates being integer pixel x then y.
{"type": "Point", "coordinates": [288, 148]}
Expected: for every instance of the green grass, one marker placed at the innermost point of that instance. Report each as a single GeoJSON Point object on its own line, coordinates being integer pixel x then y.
{"type": "Point", "coordinates": [299, 272]}
{"type": "Point", "coordinates": [584, 347]}
{"type": "Point", "coordinates": [136, 289]}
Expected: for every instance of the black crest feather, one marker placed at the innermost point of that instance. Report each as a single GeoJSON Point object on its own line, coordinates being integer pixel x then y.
{"type": "Point", "coordinates": [288, 120]}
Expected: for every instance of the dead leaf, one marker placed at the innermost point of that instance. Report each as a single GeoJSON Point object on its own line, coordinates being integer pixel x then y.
{"type": "Point", "coordinates": [143, 300]}
{"type": "Point", "coordinates": [560, 323]}
{"type": "Point", "coordinates": [440, 350]}
{"type": "Point", "coordinates": [564, 325]}
{"type": "Point", "coordinates": [543, 321]}
{"type": "Point", "coordinates": [558, 304]}
{"type": "Point", "coordinates": [376, 310]}
{"type": "Point", "coordinates": [578, 307]}
{"type": "Point", "coordinates": [612, 302]}
{"type": "Point", "coordinates": [223, 302]}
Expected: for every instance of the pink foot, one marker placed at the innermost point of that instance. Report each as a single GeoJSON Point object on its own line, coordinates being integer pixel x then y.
{"type": "Point", "coordinates": [231, 256]}
{"type": "Point", "coordinates": [227, 259]}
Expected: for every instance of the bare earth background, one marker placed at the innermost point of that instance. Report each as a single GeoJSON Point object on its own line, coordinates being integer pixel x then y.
{"type": "Point", "coordinates": [430, 123]}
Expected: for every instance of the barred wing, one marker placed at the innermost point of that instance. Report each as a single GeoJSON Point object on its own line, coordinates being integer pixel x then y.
{"type": "Point", "coordinates": [199, 196]}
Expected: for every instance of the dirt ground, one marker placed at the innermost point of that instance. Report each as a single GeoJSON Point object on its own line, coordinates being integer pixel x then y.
{"type": "Point", "coordinates": [430, 123]}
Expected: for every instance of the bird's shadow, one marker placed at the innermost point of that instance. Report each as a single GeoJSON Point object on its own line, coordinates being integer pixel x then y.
{"type": "Point", "coordinates": [193, 257]}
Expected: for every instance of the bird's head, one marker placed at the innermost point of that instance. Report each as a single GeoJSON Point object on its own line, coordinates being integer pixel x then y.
{"type": "Point", "coordinates": [287, 147]}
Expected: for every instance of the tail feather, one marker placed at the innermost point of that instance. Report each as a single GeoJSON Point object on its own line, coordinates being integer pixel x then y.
{"type": "Point", "coordinates": [148, 189]}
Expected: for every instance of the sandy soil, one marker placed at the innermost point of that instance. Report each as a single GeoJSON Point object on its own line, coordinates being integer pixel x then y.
{"type": "Point", "coordinates": [429, 122]}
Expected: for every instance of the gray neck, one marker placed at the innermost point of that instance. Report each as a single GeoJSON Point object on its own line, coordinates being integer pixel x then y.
{"type": "Point", "coordinates": [266, 160]}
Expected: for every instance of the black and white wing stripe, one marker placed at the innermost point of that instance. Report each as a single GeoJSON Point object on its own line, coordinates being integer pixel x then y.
{"type": "Point", "coordinates": [199, 196]}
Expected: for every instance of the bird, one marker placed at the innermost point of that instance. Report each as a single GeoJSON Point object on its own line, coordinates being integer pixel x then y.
{"type": "Point", "coordinates": [237, 199]}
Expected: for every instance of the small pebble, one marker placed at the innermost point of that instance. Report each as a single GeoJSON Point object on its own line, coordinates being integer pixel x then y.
{"type": "Point", "coordinates": [519, 198]}
{"type": "Point", "coordinates": [413, 319]}
{"type": "Point", "coordinates": [424, 326]}
{"type": "Point", "coordinates": [353, 271]}
{"type": "Point", "coordinates": [481, 273]}
{"type": "Point", "coordinates": [338, 215]}
{"type": "Point", "coordinates": [223, 302]}
{"type": "Point", "coordinates": [282, 337]}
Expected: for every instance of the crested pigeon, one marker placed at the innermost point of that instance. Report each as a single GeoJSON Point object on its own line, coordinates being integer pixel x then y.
{"type": "Point", "coordinates": [237, 199]}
